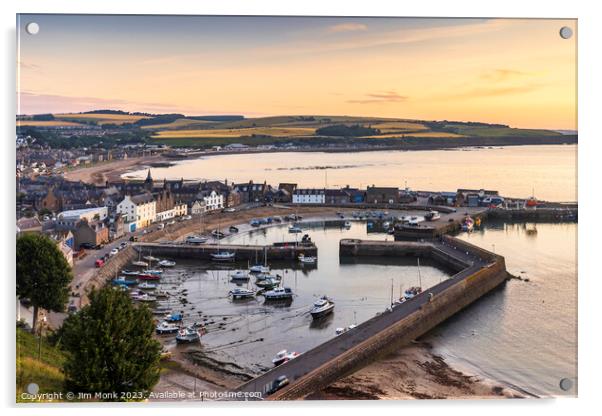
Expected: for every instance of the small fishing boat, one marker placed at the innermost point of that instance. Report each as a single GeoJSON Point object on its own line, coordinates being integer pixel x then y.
{"type": "Point", "coordinates": [241, 293]}
{"type": "Point", "coordinates": [167, 263]}
{"type": "Point", "coordinates": [294, 229]}
{"type": "Point", "coordinates": [432, 216]}
{"type": "Point", "coordinates": [122, 281]}
{"type": "Point", "coordinates": [166, 328]}
{"type": "Point", "coordinates": [259, 268]}
{"type": "Point", "coordinates": [411, 292]}
{"type": "Point", "coordinates": [174, 317]}
{"type": "Point", "coordinates": [307, 259]}
{"type": "Point", "coordinates": [145, 297]}
{"type": "Point", "coordinates": [223, 256]}
{"type": "Point", "coordinates": [146, 276]}
{"type": "Point", "coordinates": [268, 283]}
{"type": "Point", "coordinates": [147, 286]}
{"type": "Point", "coordinates": [265, 276]}
{"type": "Point", "coordinates": [140, 263]}
{"type": "Point", "coordinates": [321, 308]}
{"type": "Point", "coordinates": [284, 356]}
{"type": "Point", "coordinates": [233, 229]}
{"type": "Point", "coordinates": [340, 331]}
{"type": "Point", "coordinates": [386, 225]}
{"type": "Point", "coordinates": [150, 258]}
{"type": "Point", "coordinates": [240, 275]}
{"type": "Point", "coordinates": [157, 272]}
{"type": "Point", "coordinates": [127, 272]}
{"type": "Point", "coordinates": [188, 336]}
{"type": "Point", "coordinates": [217, 234]}
{"type": "Point", "coordinates": [196, 239]}
{"type": "Point", "coordinates": [279, 293]}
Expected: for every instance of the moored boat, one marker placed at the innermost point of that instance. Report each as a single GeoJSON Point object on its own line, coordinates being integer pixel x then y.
{"type": "Point", "coordinates": [241, 293]}
{"type": "Point", "coordinates": [347, 224]}
{"type": "Point", "coordinates": [196, 239]}
{"type": "Point", "coordinates": [322, 307]}
{"type": "Point", "coordinates": [411, 292]}
{"type": "Point", "coordinates": [174, 317]}
{"type": "Point", "coordinates": [145, 276]}
{"type": "Point", "coordinates": [294, 229]}
{"type": "Point", "coordinates": [307, 259]}
{"type": "Point", "coordinates": [140, 263]}
{"type": "Point", "coordinates": [166, 328]}
{"type": "Point", "coordinates": [188, 336]}
{"type": "Point", "coordinates": [279, 293]}
{"type": "Point", "coordinates": [217, 234]}
{"type": "Point", "coordinates": [167, 263]}
{"type": "Point", "coordinates": [268, 283]}
{"type": "Point", "coordinates": [259, 268]}
{"type": "Point", "coordinates": [233, 229]}
{"type": "Point", "coordinates": [432, 216]}
{"type": "Point", "coordinates": [150, 258]}
{"type": "Point", "coordinates": [223, 256]}
{"type": "Point", "coordinates": [240, 275]}
{"type": "Point", "coordinates": [122, 281]}
{"type": "Point", "coordinates": [147, 286]}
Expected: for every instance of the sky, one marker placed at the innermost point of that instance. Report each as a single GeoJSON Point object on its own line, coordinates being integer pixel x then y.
{"type": "Point", "coordinates": [512, 71]}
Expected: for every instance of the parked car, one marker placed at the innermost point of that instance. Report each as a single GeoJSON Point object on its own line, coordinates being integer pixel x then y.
{"type": "Point", "coordinates": [99, 263]}
{"type": "Point", "coordinates": [113, 252]}
{"type": "Point", "coordinates": [123, 245]}
{"type": "Point", "coordinates": [187, 217]}
{"type": "Point", "coordinates": [86, 246]}
{"type": "Point", "coordinates": [277, 384]}
{"type": "Point", "coordinates": [229, 209]}
{"type": "Point", "coordinates": [160, 226]}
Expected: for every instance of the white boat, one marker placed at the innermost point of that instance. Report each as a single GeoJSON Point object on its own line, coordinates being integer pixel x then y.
{"type": "Point", "coordinates": [155, 272]}
{"type": "Point", "coordinates": [259, 268]}
{"type": "Point", "coordinates": [147, 286]}
{"type": "Point", "coordinates": [266, 276]}
{"type": "Point", "coordinates": [223, 256]}
{"type": "Point", "coordinates": [240, 275]}
{"type": "Point", "coordinates": [241, 293]}
{"type": "Point", "coordinates": [196, 239]}
{"type": "Point", "coordinates": [307, 259]}
{"type": "Point", "coordinates": [279, 293]}
{"type": "Point", "coordinates": [167, 263]}
{"type": "Point", "coordinates": [284, 356]}
{"type": "Point", "coordinates": [347, 224]}
{"type": "Point", "coordinates": [188, 336]}
{"type": "Point", "coordinates": [145, 297]}
{"type": "Point", "coordinates": [322, 307]}
{"type": "Point", "coordinates": [294, 229]}
{"type": "Point", "coordinates": [166, 328]}
{"type": "Point", "coordinates": [386, 225]}
{"type": "Point", "coordinates": [411, 292]}
{"type": "Point", "coordinates": [340, 331]}
{"type": "Point", "coordinates": [432, 216]}
{"type": "Point", "coordinates": [150, 258]}
{"type": "Point", "coordinates": [140, 263]}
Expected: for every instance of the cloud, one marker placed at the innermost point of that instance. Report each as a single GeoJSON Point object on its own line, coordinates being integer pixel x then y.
{"type": "Point", "coordinates": [347, 27]}
{"type": "Point", "coordinates": [381, 97]}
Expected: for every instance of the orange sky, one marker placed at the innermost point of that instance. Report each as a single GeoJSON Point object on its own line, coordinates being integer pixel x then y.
{"type": "Point", "coordinates": [517, 72]}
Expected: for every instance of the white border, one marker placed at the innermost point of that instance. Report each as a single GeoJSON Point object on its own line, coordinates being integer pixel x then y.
{"type": "Point", "coordinates": [589, 198]}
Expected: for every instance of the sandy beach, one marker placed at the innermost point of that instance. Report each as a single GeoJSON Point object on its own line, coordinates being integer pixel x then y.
{"type": "Point", "coordinates": [109, 171]}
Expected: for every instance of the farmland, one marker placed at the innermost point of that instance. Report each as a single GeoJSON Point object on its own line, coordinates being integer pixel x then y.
{"type": "Point", "coordinates": [100, 118]}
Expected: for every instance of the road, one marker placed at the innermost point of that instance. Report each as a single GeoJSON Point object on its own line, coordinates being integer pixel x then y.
{"type": "Point", "coordinates": [329, 350]}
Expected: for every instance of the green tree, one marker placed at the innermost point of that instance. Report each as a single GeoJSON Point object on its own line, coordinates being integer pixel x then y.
{"type": "Point", "coordinates": [110, 346]}
{"type": "Point", "coordinates": [43, 274]}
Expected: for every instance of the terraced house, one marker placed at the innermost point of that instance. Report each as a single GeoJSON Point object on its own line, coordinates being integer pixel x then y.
{"type": "Point", "coordinates": [139, 211]}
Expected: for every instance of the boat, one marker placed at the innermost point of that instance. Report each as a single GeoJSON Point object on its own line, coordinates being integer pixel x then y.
{"type": "Point", "coordinates": [340, 331]}
{"type": "Point", "coordinates": [147, 286]}
{"type": "Point", "coordinates": [265, 276]}
{"type": "Point", "coordinates": [293, 229]}
{"type": "Point", "coordinates": [386, 225]}
{"type": "Point", "coordinates": [167, 263]}
{"type": "Point", "coordinates": [268, 283]}
{"type": "Point", "coordinates": [241, 293]}
{"type": "Point", "coordinates": [223, 256]}
{"type": "Point", "coordinates": [283, 357]}
{"type": "Point", "coordinates": [166, 328]}
{"type": "Point", "coordinates": [196, 239]}
{"type": "Point", "coordinates": [347, 224]}
{"type": "Point", "coordinates": [157, 272]}
{"type": "Point", "coordinates": [188, 336]}
{"type": "Point", "coordinates": [307, 259]}
{"type": "Point", "coordinates": [259, 268]}
{"type": "Point", "coordinates": [161, 294]}
{"type": "Point", "coordinates": [127, 272]}
{"type": "Point", "coordinates": [146, 276]}
{"type": "Point", "coordinates": [161, 310]}
{"type": "Point", "coordinates": [321, 308]}
{"type": "Point", "coordinates": [432, 216]}
{"type": "Point", "coordinates": [279, 293]}
{"type": "Point", "coordinates": [122, 281]}
{"type": "Point", "coordinates": [233, 229]}
{"type": "Point", "coordinates": [240, 275]}
{"type": "Point", "coordinates": [173, 317]}
{"type": "Point", "coordinates": [145, 297]}
{"type": "Point", "coordinates": [140, 263]}
{"type": "Point", "coordinates": [411, 292]}
{"type": "Point", "coordinates": [468, 224]}
{"type": "Point", "coordinates": [150, 258]}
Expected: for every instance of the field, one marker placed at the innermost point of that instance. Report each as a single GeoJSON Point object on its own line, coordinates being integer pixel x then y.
{"type": "Point", "coordinates": [245, 132]}
{"type": "Point", "coordinates": [418, 134]}
{"type": "Point", "coordinates": [100, 118]}
{"type": "Point", "coordinates": [47, 123]}
{"type": "Point", "coordinates": [181, 123]}
{"type": "Point", "coordinates": [43, 369]}
{"type": "Point", "coordinates": [501, 132]}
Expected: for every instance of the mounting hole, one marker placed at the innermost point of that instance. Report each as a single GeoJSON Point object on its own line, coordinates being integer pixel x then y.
{"type": "Point", "coordinates": [566, 384]}
{"type": "Point", "coordinates": [566, 32]}
{"type": "Point", "coordinates": [32, 28]}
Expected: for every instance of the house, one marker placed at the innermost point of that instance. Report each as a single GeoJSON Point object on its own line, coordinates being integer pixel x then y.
{"type": "Point", "coordinates": [117, 228]}
{"type": "Point", "coordinates": [198, 207]}
{"type": "Point", "coordinates": [180, 209]}
{"type": "Point", "coordinates": [288, 189]}
{"type": "Point", "coordinates": [67, 220]}
{"type": "Point", "coordinates": [382, 195]}
{"type": "Point", "coordinates": [211, 200]}
{"type": "Point", "coordinates": [251, 192]}
{"type": "Point", "coordinates": [443, 198]}
{"type": "Point", "coordinates": [29, 225]}
{"type": "Point", "coordinates": [337, 197]}
{"type": "Point", "coordinates": [473, 197]}
{"type": "Point", "coordinates": [90, 232]}
{"type": "Point", "coordinates": [139, 211]}
{"type": "Point", "coordinates": [309, 196]}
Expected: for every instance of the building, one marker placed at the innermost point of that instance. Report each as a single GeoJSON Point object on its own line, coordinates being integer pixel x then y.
{"type": "Point", "coordinates": [67, 220]}
{"type": "Point", "coordinates": [288, 189]}
{"type": "Point", "coordinates": [198, 207]}
{"type": "Point", "coordinates": [29, 225]}
{"type": "Point", "coordinates": [180, 209]}
{"type": "Point", "coordinates": [337, 197]}
{"type": "Point", "coordinates": [382, 195]}
{"type": "Point", "coordinates": [309, 196]}
{"type": "Point", "coordinates": [473, 197]}
{"type": "Point", "coordinates": [90, 232]}
{"type": "Point", "coordinates": [210, 200]}
{"type": "Point", "coordinates": [139, 211]}
{"type": "Point", "coordinates": [251, 192]}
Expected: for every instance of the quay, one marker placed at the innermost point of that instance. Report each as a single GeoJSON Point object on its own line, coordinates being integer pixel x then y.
{"type": "Point", "coordinates": [277, 251]}
{"type": "Point", "coordinates": [478, 272]}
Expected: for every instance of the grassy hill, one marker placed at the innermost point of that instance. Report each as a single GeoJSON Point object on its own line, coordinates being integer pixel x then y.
{"type": "Point", "coordinates": [40, 366]}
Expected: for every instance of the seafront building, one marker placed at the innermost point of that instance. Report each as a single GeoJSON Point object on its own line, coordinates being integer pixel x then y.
{"type": "Point", "coordinates": [139, 211]}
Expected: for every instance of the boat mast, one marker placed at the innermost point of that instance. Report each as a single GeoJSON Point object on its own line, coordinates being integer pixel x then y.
{"type": "Point", "coordinates": [419, 276]}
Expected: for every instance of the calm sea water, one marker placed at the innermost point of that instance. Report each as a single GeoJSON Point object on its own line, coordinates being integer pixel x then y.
{"type": "Point", "coordinates": [525, 333]}
{"type": "Point", "coordinates": [549, 171]}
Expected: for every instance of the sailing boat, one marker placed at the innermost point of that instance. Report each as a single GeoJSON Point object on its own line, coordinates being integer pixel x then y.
{"type": "Point", "coordinates": [222, 255]}
{"type": "Point", "coordinates": [139, 262]}
{"type": "Point", "coordinates": [260, 268]}
{"type": "Point", "coordinates": [414, 290]}
{"type": "Point", "coordinates": [197, 239]}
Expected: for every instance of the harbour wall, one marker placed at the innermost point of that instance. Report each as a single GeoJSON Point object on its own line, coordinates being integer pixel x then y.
{"type": "Point", "coordinates": [469, 285]}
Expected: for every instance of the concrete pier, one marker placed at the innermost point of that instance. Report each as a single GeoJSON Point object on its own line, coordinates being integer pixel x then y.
{"type": "Point", "coordinates": [280, 251]}
{"type": "Point", "coordinates": [479, 271]}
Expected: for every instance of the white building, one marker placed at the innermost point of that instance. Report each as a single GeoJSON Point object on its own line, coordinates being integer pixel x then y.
{"type": "Point", "coordinates": [68, 219]}
{"type": "Point", "coordinates": [309, 196]}
{"type": "Point", "coordinates": [178, 210]}
{"type": "Point", "coordinates": [198, 207]}
{"type": "Point", "coordinates": [138, 211]}
{"type": "Point", "coordinates": [211, 200]}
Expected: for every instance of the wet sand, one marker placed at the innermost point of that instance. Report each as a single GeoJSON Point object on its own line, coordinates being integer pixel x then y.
{"type": "Point", "coordinates": [414, 372]}
{"type": "Point", "coordinates": [110, 171]}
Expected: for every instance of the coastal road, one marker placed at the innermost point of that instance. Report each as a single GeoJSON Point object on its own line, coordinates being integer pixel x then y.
{"type": "Point", "coordinates": [331, 349]}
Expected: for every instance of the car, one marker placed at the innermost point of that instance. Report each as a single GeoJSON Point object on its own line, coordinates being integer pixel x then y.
{"type": "Point", "coordinates": [160, 226]}
{"type": "Point", "coordinates": [187, 217]}
{"type": "Point", "coordinates": [99, 246]}
{"type": "Point", "coordinates": [172, 222]}
{"type": "Point", "coordinates": [99, 263]}
{"type": "Point", "coordinates": [123, 245]}
{"type": "Point", "coordinates": [229, 209]}
{"type": "Point", "coordinates": [113, 252]}
{"type": "Point", "coordinates": [277, 384]}
{"type": "Point", "coordinates": [87, 246]}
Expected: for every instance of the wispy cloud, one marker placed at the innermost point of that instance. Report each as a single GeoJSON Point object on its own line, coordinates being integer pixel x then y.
{"type": "Point", "coordinates": [380, 97]}
{"type": "Point", "coordinates": [347, 27]}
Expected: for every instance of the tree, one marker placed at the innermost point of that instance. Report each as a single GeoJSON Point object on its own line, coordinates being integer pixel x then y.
{"type": "Point", "coordinates": [43, 274]}
{"type": "Point", "coordinates": [110, 346]}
